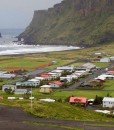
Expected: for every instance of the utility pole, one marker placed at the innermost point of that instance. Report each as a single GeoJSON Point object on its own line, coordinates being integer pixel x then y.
{"type": "Point", "coordinates": [31, 101]}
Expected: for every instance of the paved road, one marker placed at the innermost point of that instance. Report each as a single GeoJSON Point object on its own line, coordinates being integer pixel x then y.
{"type": "Point", "coordinates": [15, 119]}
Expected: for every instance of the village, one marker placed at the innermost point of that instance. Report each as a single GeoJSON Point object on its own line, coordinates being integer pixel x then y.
{"type": "Point", "coordinates": [64, 79]}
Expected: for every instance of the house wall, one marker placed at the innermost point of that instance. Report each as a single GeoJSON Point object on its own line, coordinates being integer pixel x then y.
{"type": "Point", "coordinates": [108, 104]}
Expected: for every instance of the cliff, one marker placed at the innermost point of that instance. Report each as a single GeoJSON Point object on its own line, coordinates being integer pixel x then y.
{"type": "Point", "coordinates": [73, 22]}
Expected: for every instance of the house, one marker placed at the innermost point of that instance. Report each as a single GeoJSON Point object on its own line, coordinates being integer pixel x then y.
{"type": "Point", "coordinates": [46, 89]}
{"type": "Point", "coordinates": [78, 100]}
{"type": "Point", "coordinates": [105, 60]}
{"type": "Point", "coordinates": [89, 66]}
{"type": "Point", "coordinates": [56, 84]}
{"type": "Point", "coordinates": [66, 79]}
{"type": "Point", "coordinates": [54, 75]}
{"type": "Point", "coordinates": [4, 87]}
{"type": "Point", "coordinates": [7, 76]}
{"type": "Point", "coordinates": [28, 84]}
{"type": "Point", "coordinates": [46, 76]}
{"type": "Point", "coordinates": [108, 102]}
{"type": "Point", "coordinates": [66, 68]}
{"type": "Point", "coordinates": [37, 81]}
{"type": "Point", "coordinates": [57, 71]}
{"type": "Point", "coordinates": [21, 91]}
{"type": "Point", "coordinates": [39, 78]}
{"type": "Point", "coordinates": [106, 76]}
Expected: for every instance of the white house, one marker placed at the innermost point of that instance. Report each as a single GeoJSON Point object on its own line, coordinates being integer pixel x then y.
{"type": "Point", "coordinates": [108, 102]}
{"type": "Point", "coordinates": [105, 60]}
{"type": "Point", "coordinates": [66, 68]}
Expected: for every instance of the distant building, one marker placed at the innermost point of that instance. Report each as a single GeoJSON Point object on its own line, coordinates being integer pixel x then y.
{"type": "Point", "coordinates": [56, 84]}
{"type": "Point", "coordinates": [46, 89]}
{"type": "Point", "coordinates": [66, 68]}
{"type": "Point", "coordinates": [20, 91]}
{"type": "Point", "coordinates": [108, 102]}
{"type": "Point", "coordinates": [89, 66]}
{"type": "Point", "coordinates": [105, 60]}
{"type": "Point", "coordinates": [78, 100]}
{"type": "Point", "coordinates": [12, 87]}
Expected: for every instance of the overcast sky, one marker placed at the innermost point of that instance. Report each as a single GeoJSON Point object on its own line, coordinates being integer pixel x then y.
{"type": "Point", "coordinates": [18, 13]}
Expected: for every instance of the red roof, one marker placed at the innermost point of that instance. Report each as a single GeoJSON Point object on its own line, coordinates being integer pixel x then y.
{"type": "Point", "coordinates": [45, 74]}
{"type": "Point", "coordinates": [81, 100]}
{"type": "Point", "coordinates": [57, 83]}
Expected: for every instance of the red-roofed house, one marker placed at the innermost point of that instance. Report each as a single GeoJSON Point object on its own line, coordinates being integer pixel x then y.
{"type": "Point", "coordinates": [46, 76]}
{"type": "Point", "coordinates": [78, 100]}
{"type": "Point", "coordinates": [56, 84]}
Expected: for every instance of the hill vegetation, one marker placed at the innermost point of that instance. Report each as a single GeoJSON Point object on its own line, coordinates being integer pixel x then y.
{"type": "Point", "coordinates": [73, 22]}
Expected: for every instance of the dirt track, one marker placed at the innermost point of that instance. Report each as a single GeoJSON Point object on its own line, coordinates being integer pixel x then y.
{"type": "Point", "coordinates": [14, 119]}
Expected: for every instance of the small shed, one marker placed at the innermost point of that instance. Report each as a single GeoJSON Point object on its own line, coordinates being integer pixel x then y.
{"type": "Point", "coordinates": [46, 89]}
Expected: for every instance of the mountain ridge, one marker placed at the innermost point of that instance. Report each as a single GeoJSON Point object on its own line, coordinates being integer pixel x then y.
{"type": "Point", "coordinates": [73, 22]}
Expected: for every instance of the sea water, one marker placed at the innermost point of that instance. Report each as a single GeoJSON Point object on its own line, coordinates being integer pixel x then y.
{"type": "Point", "coordinates": [9, 47]}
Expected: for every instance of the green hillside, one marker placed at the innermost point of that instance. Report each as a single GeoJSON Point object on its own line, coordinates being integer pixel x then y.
{"type": "Point", "coordinates": [83, 22]}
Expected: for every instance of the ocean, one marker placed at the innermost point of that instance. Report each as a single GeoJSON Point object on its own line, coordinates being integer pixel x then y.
{"type": "Point", "coordinates": [8, 47]}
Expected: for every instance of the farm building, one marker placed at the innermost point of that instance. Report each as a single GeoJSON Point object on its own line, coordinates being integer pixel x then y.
{"type": "Point", "coordinates": [78, 100]}
{"type": "Point", "coordinates": [46, 89]}
{"type": "Point", "coordinates": [108, 102]}
{"type": "Point", "coordinates": [4, 87]}
{"type": "Point", "coordinates": [105, 60]}
{"type": "Point", "coordinates": [56, 84]}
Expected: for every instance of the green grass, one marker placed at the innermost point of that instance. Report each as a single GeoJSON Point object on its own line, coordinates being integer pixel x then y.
{"type": "Point", "coordinates": [102, 65]}
{"type": "Point", "coordinates": [109, 85]}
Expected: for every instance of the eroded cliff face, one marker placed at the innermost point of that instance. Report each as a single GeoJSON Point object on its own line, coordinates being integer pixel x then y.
{"type": "Point", "coordinates": [84, 22]}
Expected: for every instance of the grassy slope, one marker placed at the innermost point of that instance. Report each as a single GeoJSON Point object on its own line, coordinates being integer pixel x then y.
{"type": "Point", "coordinates": [72, 27]}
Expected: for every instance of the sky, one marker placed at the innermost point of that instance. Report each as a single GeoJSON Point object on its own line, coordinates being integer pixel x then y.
{"type": "Point", "coordinates": [19, 13]}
